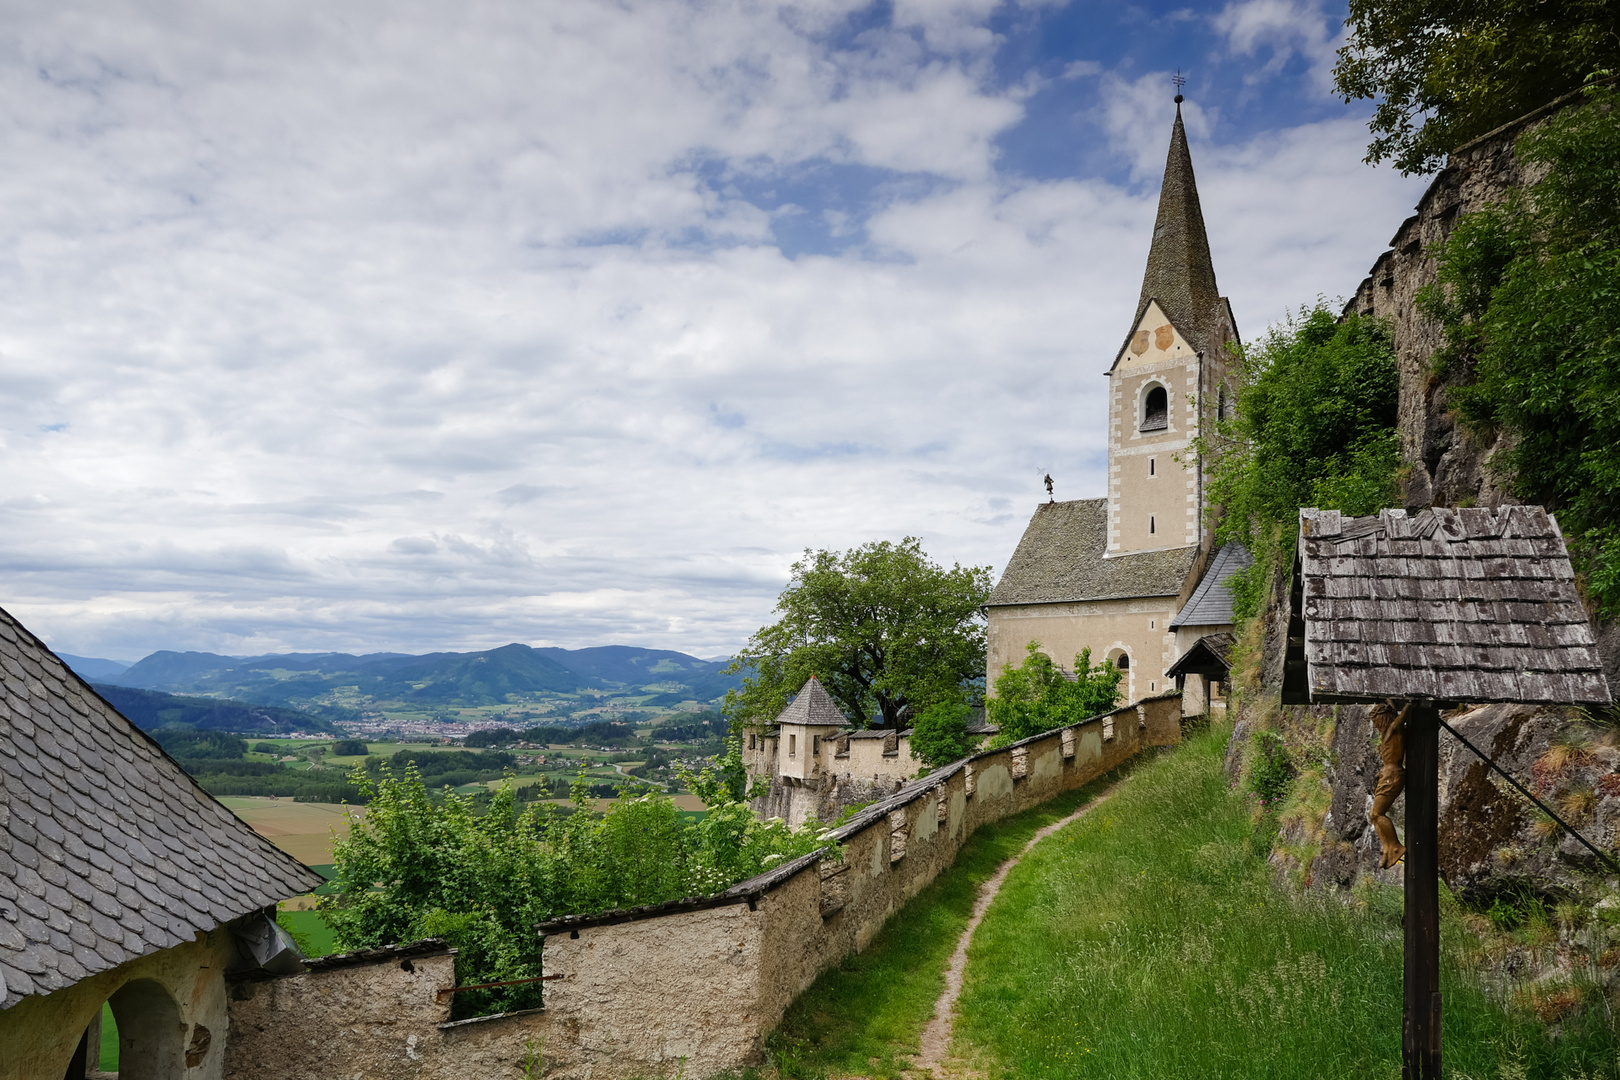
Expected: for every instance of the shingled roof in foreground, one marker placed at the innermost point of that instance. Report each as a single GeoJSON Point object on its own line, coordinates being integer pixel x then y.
{"type": "Point", "coordinates": [108, 850]}
{"type": "Point", "coordinates": [1062, 558]}
{"type": "Point", "coordinates": [1468, 605]}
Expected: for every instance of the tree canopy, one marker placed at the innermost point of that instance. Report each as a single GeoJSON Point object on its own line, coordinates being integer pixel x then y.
{"type": "Point", "coordinates": [1528, 294]}
{"type": "Point", "coordinates": [1447, 71]}
{"type": "Point", "coordinates": [886, 629]}
{"type": "Point", "coordinates": [1313, 424]}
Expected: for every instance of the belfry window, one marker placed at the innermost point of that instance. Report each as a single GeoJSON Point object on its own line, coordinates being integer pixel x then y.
{"type": "Point", "coordinates": [1156, 410]}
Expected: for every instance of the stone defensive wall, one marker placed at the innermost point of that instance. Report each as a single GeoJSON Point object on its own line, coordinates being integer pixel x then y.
{"type": "Point", "coordinates": [688, 988]}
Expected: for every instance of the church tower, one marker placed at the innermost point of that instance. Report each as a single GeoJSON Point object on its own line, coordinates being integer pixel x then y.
{"type": "Point", "coordinates": [1169, 377]}
{"type": "Point", "coordinates": [1132, 576]}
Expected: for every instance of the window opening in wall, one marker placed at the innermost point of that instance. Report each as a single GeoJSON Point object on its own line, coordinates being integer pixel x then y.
{"type": "Point", "coordinates": [1153, 525]}
{"type": "Point", "coordinates": [793, 745]}
{"type": "Point", "coordinates": [1124, 662]}
{"type": "Point", "coordinates": [815, 745]}
{"type": "Point", "coordinates": [1220, 404]}
{"type": "Point", "coordinates": [1152, 686]}
{"type": "Point", "coordinates": [1153, 624]}
{"type": "Point", "coordinates": [751, 738]}
{"type": "Point", "coordinates": [1153, 469]}
{"type": "Point", "coordinates": [1156, 410]}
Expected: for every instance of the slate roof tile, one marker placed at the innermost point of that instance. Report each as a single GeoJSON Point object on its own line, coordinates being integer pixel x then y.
{"type": "Point", "coordinates": [1061, 558]}
{"type": "Point", "coordinates": [108, 850]}
{"type": "Point", "coordinates": [1466, 605]}
{"type": "Point", "coordinates": [1211, 602]}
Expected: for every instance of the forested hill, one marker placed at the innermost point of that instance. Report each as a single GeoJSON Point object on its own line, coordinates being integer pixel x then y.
{"type": "Point", "coordinates": [151, 710]}
{"type": "Point", "coordinates": [657, 677]}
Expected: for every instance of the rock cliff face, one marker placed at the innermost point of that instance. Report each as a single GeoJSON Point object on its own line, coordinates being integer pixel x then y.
{"type": "Point", "coordinates": [1492, 842]}
{"type": "Point", "coordinates": [1448, 468]}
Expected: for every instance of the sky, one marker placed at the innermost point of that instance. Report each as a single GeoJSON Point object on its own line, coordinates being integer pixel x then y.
{"type": "Point", "coordinates": [413, 326]}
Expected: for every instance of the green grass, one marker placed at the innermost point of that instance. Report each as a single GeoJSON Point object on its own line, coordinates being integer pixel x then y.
{"type": "Point", "coordinates": [109, 1040]}
{"type": "Point", "coordinates": [1148, 940]}
{"type": "Point", "coordinates": [310, 930]}
{"type": "Point", "coordinates": [866, 1016]}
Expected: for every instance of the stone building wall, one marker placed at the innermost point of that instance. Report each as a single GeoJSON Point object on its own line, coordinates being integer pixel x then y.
{"type": "Point", "coordinates": [377, 1014]}
{"type": "Point", "coordinates": [170, 1006]}
{"type": "Point", "coordinates": [734, 963]}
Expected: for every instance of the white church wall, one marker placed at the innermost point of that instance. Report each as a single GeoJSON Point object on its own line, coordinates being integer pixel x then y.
{"type": "Point", "coordinates": [1138, 627]}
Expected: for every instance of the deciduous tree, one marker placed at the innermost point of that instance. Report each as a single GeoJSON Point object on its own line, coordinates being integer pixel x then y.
{"type": "Point", "coordinates": [884, 627]}
{"type": "Point", "coordinates": [1446, 71]}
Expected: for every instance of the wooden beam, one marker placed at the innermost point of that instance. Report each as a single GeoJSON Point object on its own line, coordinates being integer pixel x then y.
{"type": "Point", "coordinates": [1420, 1033]}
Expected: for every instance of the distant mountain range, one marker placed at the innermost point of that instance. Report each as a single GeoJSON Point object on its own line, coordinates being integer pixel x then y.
{"type": "Point", "coordinates": [333, 683]}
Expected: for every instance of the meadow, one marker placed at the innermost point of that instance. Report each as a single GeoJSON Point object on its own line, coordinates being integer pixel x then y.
{"type": "Point", "coordinates": [1149, 939]}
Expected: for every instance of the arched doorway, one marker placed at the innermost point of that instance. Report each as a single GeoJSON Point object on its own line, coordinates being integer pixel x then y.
{"type": "Point", "coordinates": [151, 1036]}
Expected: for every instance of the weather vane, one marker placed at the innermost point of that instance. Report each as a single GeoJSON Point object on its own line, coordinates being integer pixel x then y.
{"type": "Point", "coordinates": [1049, 488]}
{"type": "Point", "coordinates": [1180, 80]}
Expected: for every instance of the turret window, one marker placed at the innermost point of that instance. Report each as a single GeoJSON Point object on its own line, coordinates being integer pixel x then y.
{"type": "Point", "coordinates": [1153, 525]}
{"type": "Point", "coordinates": [1156, 410]}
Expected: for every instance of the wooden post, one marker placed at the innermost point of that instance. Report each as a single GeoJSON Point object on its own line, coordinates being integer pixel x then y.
{"type": "Point", "coordinates": [1420, 1033]}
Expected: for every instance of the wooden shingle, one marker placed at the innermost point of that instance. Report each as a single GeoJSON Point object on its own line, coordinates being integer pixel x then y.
{"type": "Point", "coordinates": [1466, 605]}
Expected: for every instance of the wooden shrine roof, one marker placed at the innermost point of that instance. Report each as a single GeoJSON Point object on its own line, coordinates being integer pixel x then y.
{"type": "Point", "coordinates": [1469, 605]}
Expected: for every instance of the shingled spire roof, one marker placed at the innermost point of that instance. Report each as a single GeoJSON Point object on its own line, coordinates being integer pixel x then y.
{"type": "Point", "coordinates": [108, 850]}
{"type": "Point", "coordinates": [813, 705]}
{"type": "Point", "coordinates": [1180, 273]}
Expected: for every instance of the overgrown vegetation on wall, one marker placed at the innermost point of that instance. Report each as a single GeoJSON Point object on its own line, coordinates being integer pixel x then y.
{"type": "Point", "coordinates": [1035, 696]}
{"type": "Point", "coordinates": [420, 866]}
{"type": "Point", "coordinates": [1529, 298]}
{"type": "Point", "coordinates": [1313, 424]}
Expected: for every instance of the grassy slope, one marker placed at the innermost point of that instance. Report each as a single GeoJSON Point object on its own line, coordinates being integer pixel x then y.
{"type": "Point", "coordinates": [865, 1015]}
{"type": "Point", "coordinates": [1147, 940]}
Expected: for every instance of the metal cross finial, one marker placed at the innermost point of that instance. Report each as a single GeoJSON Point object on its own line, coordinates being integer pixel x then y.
{"type": "Point", "coordinates": [1180, 80]}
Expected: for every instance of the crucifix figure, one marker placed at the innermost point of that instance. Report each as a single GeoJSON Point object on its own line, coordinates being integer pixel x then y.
{"type": "Point", "coordinates": [1391, 777]}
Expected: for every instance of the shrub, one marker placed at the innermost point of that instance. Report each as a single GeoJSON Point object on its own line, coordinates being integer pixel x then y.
{"type": "Point", "coordinates": [1036, 697]}
{"type": "Point", "coordinates": [1313, 424]}
{"type": "Point", "coordinates": [349, 748]}
{"type": "Point", "coordinates": [1271, 770]}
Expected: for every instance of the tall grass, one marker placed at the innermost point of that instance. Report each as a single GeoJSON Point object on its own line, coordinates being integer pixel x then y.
{"type": "Point", "coordinates": [865, 1016]}
{"type": "Point", "coordinates": [1149, 940]}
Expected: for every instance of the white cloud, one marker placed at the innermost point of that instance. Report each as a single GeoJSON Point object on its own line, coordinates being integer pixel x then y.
{"type": "Point", "coordinates": [431, 327]}
{"type": "Point", "coordinates": [1287, 28]}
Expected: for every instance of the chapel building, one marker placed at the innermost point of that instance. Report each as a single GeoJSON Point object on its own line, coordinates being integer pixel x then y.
{"type": "Point", "coordinates": [1134, 575]}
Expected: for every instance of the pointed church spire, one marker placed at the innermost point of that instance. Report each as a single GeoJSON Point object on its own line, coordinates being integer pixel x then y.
{"type": "Point", "coordinates": [1180, 274]}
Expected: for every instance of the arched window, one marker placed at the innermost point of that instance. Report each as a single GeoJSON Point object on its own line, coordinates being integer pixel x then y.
{"type": "Point", "coordinates": [1220, 404]}
{"type": "Point", "coordinates": [1123, 661]}
{"type": "Point", "coordinates": [1156, 410]}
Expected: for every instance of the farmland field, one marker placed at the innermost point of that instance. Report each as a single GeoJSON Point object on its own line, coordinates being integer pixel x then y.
{"type": "Point", "coordinates": [302, 830]}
